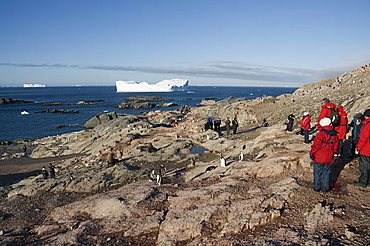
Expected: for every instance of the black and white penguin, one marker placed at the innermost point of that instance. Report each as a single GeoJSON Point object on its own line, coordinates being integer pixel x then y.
{"type": "Point", "coordinates": [156, 174]}
{"type": "Point", "coordinates": [192, 162]}
{"type": "Point", "coordinates": [241, 156]}
{"type": "Point", "coordinates": [222, 161]}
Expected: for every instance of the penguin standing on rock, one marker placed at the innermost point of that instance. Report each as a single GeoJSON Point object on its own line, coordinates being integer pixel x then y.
{"type": "Point", "coordinates": [222, 161]}
{"type": "Point", "coordinates": [157, 174]}
{"type": "Point", "coordinates": [241, 156]}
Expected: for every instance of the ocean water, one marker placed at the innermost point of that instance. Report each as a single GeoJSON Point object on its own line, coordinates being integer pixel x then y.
{"type": "Point", "coordinates": [13, 125]}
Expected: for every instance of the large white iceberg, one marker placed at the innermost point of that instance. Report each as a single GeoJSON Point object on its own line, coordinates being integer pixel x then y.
{"type": "Point", "coordinates": [167, 85]}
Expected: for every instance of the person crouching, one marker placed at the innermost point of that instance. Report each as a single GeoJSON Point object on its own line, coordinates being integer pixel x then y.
{"type": "Point", "coordinates": [323, 151]}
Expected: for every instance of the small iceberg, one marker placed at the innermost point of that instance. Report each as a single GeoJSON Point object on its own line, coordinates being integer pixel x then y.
{"type": "Point", "coordinates": [24, 112]}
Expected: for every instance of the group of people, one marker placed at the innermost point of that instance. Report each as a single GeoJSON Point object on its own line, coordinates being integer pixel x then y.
{"type": "Point", "coordinates": [45, 173]}
{"type": "Point", "coordinates": [230, 125]}
{"type": "Point", "coordinates": [328, 142]}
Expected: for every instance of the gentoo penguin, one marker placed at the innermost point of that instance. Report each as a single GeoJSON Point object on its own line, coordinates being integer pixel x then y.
{"type": "Point", "coordinates": [192, 162]}
{"type": "Point", "coordinates": [222, 161]}
{"type": "Point", "coordinates": [157, 174]}
{"type": "Point", "coordinates": [241, 156]}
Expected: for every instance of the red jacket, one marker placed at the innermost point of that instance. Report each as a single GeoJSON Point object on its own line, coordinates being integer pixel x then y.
{"type": "Point", "coordinates": [364, 142]}
{"type": "Point", "coordinates": [343, 122]}
{"type": "Point", "coordinates": [323, 149]}
{"type": "Point", "coordinates": [305, 123]}
{"type": "Point", "coordinates": [325, 112]}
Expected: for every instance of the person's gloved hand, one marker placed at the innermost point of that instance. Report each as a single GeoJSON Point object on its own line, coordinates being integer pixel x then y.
{"type": "Point", "coordinates": [356, 151]}
{"type": "Point", "coordinates": [312, 157]}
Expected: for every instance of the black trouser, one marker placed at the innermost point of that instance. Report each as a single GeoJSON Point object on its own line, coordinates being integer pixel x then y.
{"type": "Point", "coordinates": [340, 149]}
{"type": "Point", "coordinates": [365, 170]}
{"type": "Point", "coordinates": [353, 146]}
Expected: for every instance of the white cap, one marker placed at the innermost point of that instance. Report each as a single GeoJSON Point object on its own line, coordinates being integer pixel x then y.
{"type": "Point", "coordinates": [306, 113]}
{"type": "Point", "coordinates": [325, 122]}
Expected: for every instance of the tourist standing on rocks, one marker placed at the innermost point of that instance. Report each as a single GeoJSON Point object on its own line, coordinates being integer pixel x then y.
{"type": "Point", "coordinates": [341, 128]}
{"type": "Point", "coordinates": [235, 125]}
{"type": "Point", "coordinates": [328, 110]}
{"type": "Point", "coordinates": [305, 124]}
{"type": "Point", "coordinates": [363, 148]}
{"type": "Point", "coordinates": [44, 173]}
{"type": "Point", "coordinates": [265, 123]}
{"type": "Point", "coordinates": [25, 150]}
{"type": "Point", "coordinates": [52, 171]}
{"type": "Point", "coordinates": [290, 123]}
{"type": "Point", "coordinates": [217, 124]}
{"type": "Point", "coordinates": [323, 153]}
{"type": "Point", "coordinates": [227, 126]}
{"type": "Point", "coordinates": [356, 125]}
{"type": "Point", "coordinates": [210, 123]}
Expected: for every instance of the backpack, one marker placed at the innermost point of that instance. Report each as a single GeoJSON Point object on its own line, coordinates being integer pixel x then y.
{"type": "Point", "coordinates": [330, 141]}
{"type": "Point", "coordinates": [334, 117]}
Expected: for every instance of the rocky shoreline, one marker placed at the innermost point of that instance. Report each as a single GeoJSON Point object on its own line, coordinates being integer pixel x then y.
{"type": "Point", "coordinates": [264, 199]}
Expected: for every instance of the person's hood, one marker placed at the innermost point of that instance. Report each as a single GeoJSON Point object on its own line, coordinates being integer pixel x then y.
{"type": "Point", "coordinates": [366, 120]}
{"type": "Point", "coordinates": [328, 105]}
{"type": "Point", "coordinates": [329, 130]}
{"type": "Point", "coordinates": [341, 109]}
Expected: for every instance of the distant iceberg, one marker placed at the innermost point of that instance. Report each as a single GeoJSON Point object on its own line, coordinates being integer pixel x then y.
{"type": "Point", "coordinates": [167, 85]}
{"type": "Point", "coordinates": [34, 85]}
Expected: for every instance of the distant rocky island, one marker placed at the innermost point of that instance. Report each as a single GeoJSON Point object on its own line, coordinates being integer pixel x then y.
{"type": "Point", "coordinates": [102, 196]}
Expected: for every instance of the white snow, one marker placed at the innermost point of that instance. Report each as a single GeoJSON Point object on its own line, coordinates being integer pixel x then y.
{"type": "Point", "coordinates": [167, 85]}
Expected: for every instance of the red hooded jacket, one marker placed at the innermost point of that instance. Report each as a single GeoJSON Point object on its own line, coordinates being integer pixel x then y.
{"type": "Point", "coordinates": [343, 122]}
{"type": "Point", "coordinates": [325, 146]}
{"type": "Point", "coordinates": [364, 142]}
{"type": "Point", "coordinates": [305, 123]}
{"type": "Point", "coordinates": [325, 112]}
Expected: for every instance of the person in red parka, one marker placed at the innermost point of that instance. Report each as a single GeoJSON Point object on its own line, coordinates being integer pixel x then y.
{"type": "Point", "coordinates": [305, 124]}
{"type": "Point", "coordinates": [363, 147]}
{"type": "Point", "coordinates": [342, 127]}
{"type": "Point", "coordinates": [326, 109]}
{"type": "Point", "coordinates": [323, 151]}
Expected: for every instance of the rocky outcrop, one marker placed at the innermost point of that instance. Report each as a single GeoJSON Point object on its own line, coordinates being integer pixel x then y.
{"type": "Point", "coordinates": [136, 105]}
{"type": "Point", "coordinates": [7, 100]}
{"type": "Point", "coordinates": [265, 198]}
{"type": "Point", "coordinates": [59, 111]}
{"type": "Point", "coordinates": [144, 102]}
{"type": "Point", "coordinates": [89, 102]}
{"type": "Point", "coordinates": [54, 104]}
{"type": "Point", "coordinates": [99, 119]}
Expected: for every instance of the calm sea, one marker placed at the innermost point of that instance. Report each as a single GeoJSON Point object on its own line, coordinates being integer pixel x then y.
{"type": "Point", "coordinates": [13, 125]}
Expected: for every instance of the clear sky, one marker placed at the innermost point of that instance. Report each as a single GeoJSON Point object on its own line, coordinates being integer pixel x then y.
{"type": "Point", "coordinates": [209, 42]}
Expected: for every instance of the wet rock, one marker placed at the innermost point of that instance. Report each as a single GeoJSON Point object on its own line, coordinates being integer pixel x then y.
{"type": "Point", "coordinates": [54, 104]}
{"type": "Point", "coordinates": [7, 100]}
{"type": "Point", "coordinates": [59, 111]}
{"type": "Point", "coordinates": [87, 102]}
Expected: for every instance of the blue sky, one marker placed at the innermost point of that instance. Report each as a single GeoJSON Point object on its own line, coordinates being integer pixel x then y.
{"type": "Point", "coordinates": [209, 42]}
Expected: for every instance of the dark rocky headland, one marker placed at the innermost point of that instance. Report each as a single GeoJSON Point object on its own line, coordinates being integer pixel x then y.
{"type": "Point", "coordinates": [265, 199]}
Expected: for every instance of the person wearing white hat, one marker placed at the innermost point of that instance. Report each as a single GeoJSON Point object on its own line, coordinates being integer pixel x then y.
{"type": "Point", "coordinates": [323, 152]}
{"type": "Point", "coordinates": [305, 124]}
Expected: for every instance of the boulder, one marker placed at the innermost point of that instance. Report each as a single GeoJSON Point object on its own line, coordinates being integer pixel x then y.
{"type": "Point", "coordinates": [7, 100]}
{"type": "Point", "coordinates": [99, 119]}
